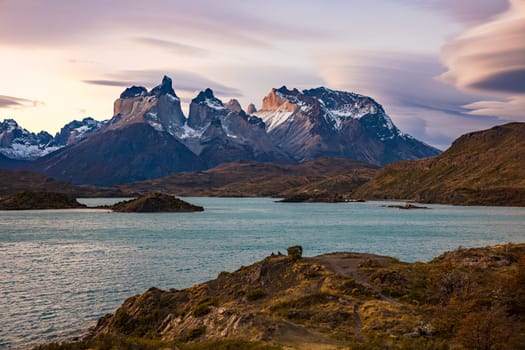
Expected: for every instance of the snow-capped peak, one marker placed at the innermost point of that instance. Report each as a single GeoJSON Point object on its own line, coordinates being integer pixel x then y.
{"type": "Point", "coordinates": [207, 98]}
{"type": "Point", "coordinates": [18, 143]}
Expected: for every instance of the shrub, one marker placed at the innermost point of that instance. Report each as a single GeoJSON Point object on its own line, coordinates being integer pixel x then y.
{"type": "Point", "coordinates": [203, 307]}
{"type": "Point", "coordinates": [255, 294]}
{"type": "Point", "coordinates": [295, 252]}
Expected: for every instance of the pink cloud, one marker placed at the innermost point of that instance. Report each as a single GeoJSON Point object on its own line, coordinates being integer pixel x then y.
{"type": "Point", "coordinates": [490, 58]}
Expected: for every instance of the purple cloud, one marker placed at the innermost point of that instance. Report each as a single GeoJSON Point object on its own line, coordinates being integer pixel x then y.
{"type": "Point", "coordinates": [104, 82]}
{"type": "Point", "coordinates": [419, 104]}
{"type": "Point", "coordinates": [490, 58]}
{"type": "Point", "coordinates": [55, 22]}
{"type": "Point", "coordinates": [17, 102]}
{"type": "Point", "coordinates": [466, 11]}
{"type": "Point", "coordinates": [171, 46]}
{"type": "Point", "coordinates": [182, 81]}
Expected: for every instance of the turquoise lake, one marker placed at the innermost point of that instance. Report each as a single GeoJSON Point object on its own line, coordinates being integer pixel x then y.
{"type": "Point", "coordinates": [61, 270]}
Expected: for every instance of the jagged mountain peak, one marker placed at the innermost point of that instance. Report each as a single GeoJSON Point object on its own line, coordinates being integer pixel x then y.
{"type": "Point", "coordinates": [160, 108]}
{"type": "Point", "coordinates": [8, 124]}
{"type": "Point", "coordinates": [278, 99]}
{"type": "Point", "coordinates": [325, 122]}
{"type": "Point", "coordinates": [19, 143]}
{"type": "Point", "coordinates": [204, 108]}
{"type": "Point", "coordinates": [251, 109]}
{"type": "Point", "coordinates": [233, 106]}
{"type": "Point", "coordinates": [207, 98]}
{"type": "Point", "coordinates": [134, 91]}
{"type": "Point", "coordinates": [166, 87]}
{"type": "Point", "coordinates": [285, 91]}
{"type": "Point", "coordinates": [77, 130]}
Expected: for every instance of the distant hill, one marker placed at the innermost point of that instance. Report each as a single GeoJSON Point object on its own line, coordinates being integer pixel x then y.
{"type": "Point", "coordinates": [39, 200]}
{"type": "Point", "coordinates": [480, 168]}
{"type": "Point", "coordinates": [14, 181]}
{"type": "Point", "coordinates": [254, 179]}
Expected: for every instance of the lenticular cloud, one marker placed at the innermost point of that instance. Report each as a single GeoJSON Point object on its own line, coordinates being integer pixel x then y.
{"type": "Point", "coordinates": [490, 57]}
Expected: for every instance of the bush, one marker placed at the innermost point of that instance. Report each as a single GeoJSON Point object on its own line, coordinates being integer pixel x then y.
{"type": "Point", "coordinates": [193, 334]}
{"type": "Point", "coordinates": [255, 294]}
{"type": "Point", "coordinates": [203, 307]}
{"type": "Point", "coordinates": [295, 252]}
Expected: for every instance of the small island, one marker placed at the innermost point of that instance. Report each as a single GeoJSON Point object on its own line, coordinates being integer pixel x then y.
{"type": "Point", "coordinates": [155, 203]}
{"type": "Point", "coordinates": [28, 200]}
{"type": "Point", "coordinates": [407, 206]}
{"type": "Point", "coordinates": [305, 197]}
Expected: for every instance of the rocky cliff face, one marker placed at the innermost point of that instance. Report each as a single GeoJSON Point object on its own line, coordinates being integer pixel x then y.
{"type": "Point", "coordinates": [160, 108]}
{"type": "Point", "coordinates": [221, 133]}
{"type": "Point", "coordinates": [322, 122]}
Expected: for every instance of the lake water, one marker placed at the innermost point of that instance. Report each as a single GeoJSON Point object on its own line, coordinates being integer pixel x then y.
{"type": "Point", "coordinates": [61, 270]}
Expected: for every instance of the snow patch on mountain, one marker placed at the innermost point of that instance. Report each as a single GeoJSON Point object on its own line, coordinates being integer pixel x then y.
{"type": "Point", "coordinates": [214, 104]}
{"type": "Point", "coordinates": [172, 98]}
{"type": "Point", "coordinates": [187, 132]}
{"type": "Point", "coordinates": [273, 119]}
{"type": "Point", "coordinates": [26, 151]}
{"type": "Point", "coordinates": [153, 120]}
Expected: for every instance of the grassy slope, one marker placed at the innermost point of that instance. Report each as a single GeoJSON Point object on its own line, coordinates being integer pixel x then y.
{"type": "Point", "coordinates": [334, 301]}
{"type": "Point", "coordinates": [480, 168]}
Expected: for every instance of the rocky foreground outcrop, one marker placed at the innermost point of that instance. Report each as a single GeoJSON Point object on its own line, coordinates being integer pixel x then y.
{"type": "Point", "coordinates": [333, 301]}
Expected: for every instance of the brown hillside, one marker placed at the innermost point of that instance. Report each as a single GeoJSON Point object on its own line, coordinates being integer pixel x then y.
{"type": "Point", "coordinates": [480, 168]}
{"type": "Point", "coordinates": [14, 181]}
{"type": "Point", "coordinates": [39, 200]}
{"type": "Point", "coordinates": [254, 179]}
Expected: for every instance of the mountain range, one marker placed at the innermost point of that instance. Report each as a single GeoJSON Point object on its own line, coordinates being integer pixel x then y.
{"type": "Point", "coordinates": [149, 136]}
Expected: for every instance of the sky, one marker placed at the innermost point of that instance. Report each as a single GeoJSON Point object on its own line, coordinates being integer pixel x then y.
{"type": "Point", "coordinates": [440, 68]}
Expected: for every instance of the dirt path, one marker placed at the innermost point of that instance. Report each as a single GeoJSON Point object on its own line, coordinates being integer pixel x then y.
{"type": "Point", "coordinates": [357, 321]}
{"type": "Point", "coordinates": [347, 265]}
